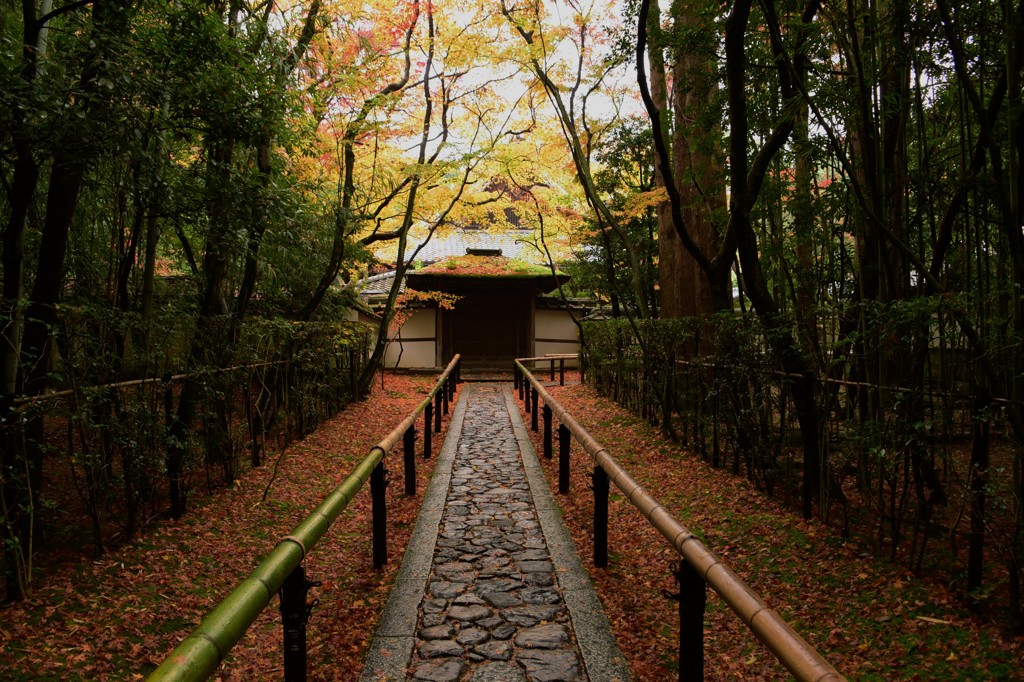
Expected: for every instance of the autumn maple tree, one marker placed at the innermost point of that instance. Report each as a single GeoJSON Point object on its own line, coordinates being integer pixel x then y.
{"type": "Point", "coordinates": [829, 195]}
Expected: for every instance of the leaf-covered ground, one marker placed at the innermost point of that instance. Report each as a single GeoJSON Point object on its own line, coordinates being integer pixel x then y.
{"type": "Point", "coordinates": [116, 618]}
{"type": "Point", "coordinates": [869, 618]}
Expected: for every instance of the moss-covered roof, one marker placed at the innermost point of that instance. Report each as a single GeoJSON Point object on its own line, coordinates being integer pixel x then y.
{"type": "Point", "coordinates": [485, 266]}
{"type": "Point", "coordinates": [474, 273]}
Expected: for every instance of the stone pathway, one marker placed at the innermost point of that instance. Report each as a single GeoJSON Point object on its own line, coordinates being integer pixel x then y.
{"type": "Point", "coordinates": [492, 602]}
{"type": "Point", "coordinates": [491, 592]}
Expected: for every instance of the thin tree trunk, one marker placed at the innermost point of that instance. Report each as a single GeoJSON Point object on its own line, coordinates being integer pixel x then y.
{"type": "Point", "coordinates": [743, 194]}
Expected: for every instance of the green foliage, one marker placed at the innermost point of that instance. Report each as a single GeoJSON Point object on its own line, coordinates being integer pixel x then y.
{"type": "Point", "coordinates": [634, 360]}
{"type": "Point", "coordinates": [602, 267]}
{"type": "Point", "coordinates": [174, 125]}
{"type": "Point", "coordinates": [284, 379]}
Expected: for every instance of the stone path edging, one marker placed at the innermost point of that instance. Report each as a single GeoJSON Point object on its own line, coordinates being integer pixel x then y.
{"type": "Point", "coordinates": [392, 647]}
{"type": "Point", "coordinates": [602, 658]}
{"type": "Point", "coordinates": [393, 642]}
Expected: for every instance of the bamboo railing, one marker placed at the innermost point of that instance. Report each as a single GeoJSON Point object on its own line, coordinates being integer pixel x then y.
{"type": "Point", "coordinates": [199, 654]}
{"type": "Point", "coordinates": [699, 568]}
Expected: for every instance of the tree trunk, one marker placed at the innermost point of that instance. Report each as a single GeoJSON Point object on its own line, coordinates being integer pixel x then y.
{"type": "Point", "coordinates": [672, 293]}
{"type": "Point", "coordinates": [742, 197]}
{"type": "Point", "coordinates": [697, 163]}
{"type": "Point", "coordinates": [209, 341]}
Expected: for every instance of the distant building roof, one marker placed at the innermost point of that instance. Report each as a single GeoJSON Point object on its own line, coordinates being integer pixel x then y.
{"type": "Point", "coordinates": [459, 242]}
{"type": "Point", "coordinates": [504, 245]}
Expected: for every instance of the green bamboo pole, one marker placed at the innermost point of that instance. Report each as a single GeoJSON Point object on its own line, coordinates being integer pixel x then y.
{"type": "Point", "coordinates": [199, 654]}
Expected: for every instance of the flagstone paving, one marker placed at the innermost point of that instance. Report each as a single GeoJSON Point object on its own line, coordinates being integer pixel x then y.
{"type": "Point", "coordinates": [496, 598]}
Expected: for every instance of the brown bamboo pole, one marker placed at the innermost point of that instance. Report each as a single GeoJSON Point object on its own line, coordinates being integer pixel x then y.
{"type": "Point", "coordinates": [799, 657]}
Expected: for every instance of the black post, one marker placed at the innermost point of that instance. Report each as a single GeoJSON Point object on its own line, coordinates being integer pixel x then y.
{"type": "Point", "coordinates": [715, 452]}
{"type": "Point", "coordinates": [979, 483]}
{"type": "Point", "coordinates": [409, 455]}
{"type": "Point", "coordinates": [428, 417]}
{"type": "Point", "coordinates": [552, 369]}
{"type": "Point", "coordinates": [352, 373]}
{"type": "Point", "coordinates": [561, 372]}
{"type": "Point", "coordinates": [378, 482]}
{"type": "Point", "coordinates": [294, 615]}
{"type": "Point", "coordinates": [437, 412]}
{"type": "Point", "coordinates": [693, 595]}
{"type": "Point", "coordinates": [547, 431]}
{"type": "Point", "coordinates": [563, 459]}
{"type": "Point", "coordinates": [533, 409]}
{"type": "Point", "coordinates": [444, 395]}
{"type": "Point", "coordinates": [600, 484]}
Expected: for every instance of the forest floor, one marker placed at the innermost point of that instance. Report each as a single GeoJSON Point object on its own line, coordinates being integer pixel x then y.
{"type": "Point", "coordinates": [870, 618]}
{"type": "Point", "coordinates": [117, 617]}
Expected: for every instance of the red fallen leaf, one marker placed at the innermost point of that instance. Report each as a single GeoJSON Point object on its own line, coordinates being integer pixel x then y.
{"type": "Point", "coordinates": [183, 569]}
{"type": "Point", "coordinates": [831, 592]}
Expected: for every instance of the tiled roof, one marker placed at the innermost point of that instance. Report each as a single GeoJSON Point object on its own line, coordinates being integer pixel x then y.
{"type": "Point", "coordinates": [459, 242]}
{"type": "Point", "coordinates": [378, 285]}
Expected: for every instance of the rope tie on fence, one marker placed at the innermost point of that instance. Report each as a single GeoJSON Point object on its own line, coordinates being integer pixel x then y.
{"type": "Point", "coordinates": [297, 541]}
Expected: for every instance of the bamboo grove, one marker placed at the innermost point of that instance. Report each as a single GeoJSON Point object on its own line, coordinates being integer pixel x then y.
{"type": "Point", "coordinates": [189, 191]}
{"type": "Point", "coordinates": [839, 240]}
{"type": "Point", "coordinates": [193, 195]}
{"type": "Point", "coordinates": [805, 214]}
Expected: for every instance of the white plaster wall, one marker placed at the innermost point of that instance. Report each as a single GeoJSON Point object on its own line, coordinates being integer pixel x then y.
{"type": "Point", "coordinates": [419, 353]}
{"type": "Point", "coordinates": [420, 324]}
{"type": "Point", "coordinates": [548, 348]}
{"type": "Point", "coordinates": [414, 354]}
{"type": "Point", "coordinates": [556, 326]}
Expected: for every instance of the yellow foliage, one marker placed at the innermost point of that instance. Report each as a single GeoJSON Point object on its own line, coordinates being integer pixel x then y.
{"type": "Point", "coordinates": [639, 204]}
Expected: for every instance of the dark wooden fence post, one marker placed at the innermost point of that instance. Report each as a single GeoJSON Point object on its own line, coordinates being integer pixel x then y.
{"type": "Point", "coordinates": [563, 459]}
{"type": "Point", "coordinates": [444, 395]}
{"type": "Point", "coordinates": [561, 372]}
{"type": "Point", "coordinates": [352, 373]}
{"type": "Point", "coordinates": [428, 418]}
{"type": "Point", "coordinates": [600, 485]}
{"type": "Point", "coordinates": [693, 595]}
{"type": "Point", "coordinates": [547, 431]}
{"type": "Point", "coordinates": [533, 409]}
{"type": "Point", "coordinates": [715, 450]}
{"type": "Point", "coordinates": [552, 370]}
{"type": "Point", "coordinates": [979, 483]}
{"type": "Point", "coordinates": [294, 614]}
{"type": "Point", "coordinates": [409, 457]}
{"type": "Point", "coordinates": [437, 412]}
{"type": "Point", "coordinates": [378, 482]}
